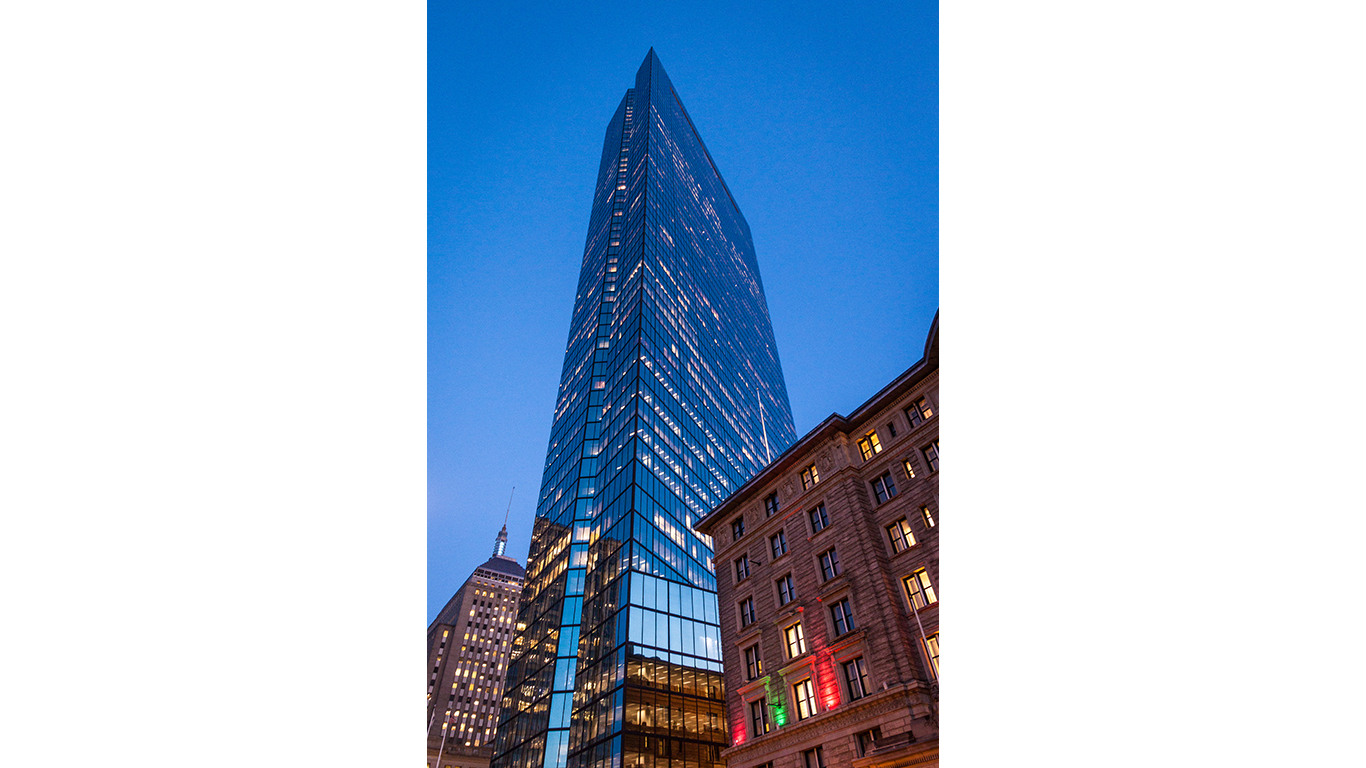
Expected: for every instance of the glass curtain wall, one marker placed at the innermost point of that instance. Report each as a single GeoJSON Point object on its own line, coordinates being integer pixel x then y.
{"type": "Point", "coordinates": [671, 397]}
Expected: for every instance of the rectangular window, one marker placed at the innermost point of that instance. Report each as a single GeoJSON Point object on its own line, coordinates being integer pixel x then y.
{"type": "Point", "coordinates": [754, 665]}
{"type": "Point", "coordinates": [932, 649]}
{"type": "Point", "coordinates": [813, 758]}
{"type": "Point", "coordinates": [919, 590]}
{"type": "Point", "coordinates": [927, 517]}
{"type": "Point", "coordinates": [918, 412]}
{"type": "Point", "coordinates": [910, 469]}
{"type": "Point", "coordinates": [796, 640]}
{"type": "Point", "coordinates": [810, 477]}
{"type": "Point", "coordinates": [771, 504]}
{"type": "Point", "coordinates": [843, 616]}
{"type": "Point", "coordinates": [742, 568]}
{"type": "Point", "coordinates": [883, 487]}
{"type": "Point", "coordinates": [856, 675]}
{"type": "Point", "coordinates": [870, 446]}
{"type": "Point", "coordinates": [746, 612]}
{"type": "Point", "coordinates": [805, 697]}
{"type": "Point", "coordinates": [891, 428]}
{"type": "Point", "coordinates": [737, 528]}
{"type": "Point", "coordinates": [901, 536]}
{"type": "Point", "coordinates": [932, 455]}
{"type": "Point", "coordinates": [779, 544]}
{"type": "Point", "coordinates": [868, 741]}
{"type": "Point", "coordinates": [758, 716]}
{"type": "Point", "coordinates": [818, 519]}
{"type": "Point", "coordinates": [786, 593]}
{"type": "Point", "coordinates": [830, 564]}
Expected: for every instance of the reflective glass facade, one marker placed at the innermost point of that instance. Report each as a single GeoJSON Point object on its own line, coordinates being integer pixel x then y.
{"type": "Point", "coordinates": [671, 397]}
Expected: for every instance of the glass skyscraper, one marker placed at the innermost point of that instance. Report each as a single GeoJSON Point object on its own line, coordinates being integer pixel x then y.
{"type": "Point", "coordinates": [671, 397]}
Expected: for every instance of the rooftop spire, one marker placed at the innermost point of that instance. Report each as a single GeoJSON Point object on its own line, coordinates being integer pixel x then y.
{"type": "Point", "coordinates": [500, 546]}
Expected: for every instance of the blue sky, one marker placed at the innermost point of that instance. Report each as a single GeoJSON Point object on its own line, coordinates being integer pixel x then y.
{"type": "Point", "coordinates": [822, 118]}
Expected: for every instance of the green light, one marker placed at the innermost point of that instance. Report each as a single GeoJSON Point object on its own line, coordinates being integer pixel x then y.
{"type": "Point", "coordinates": [779, 715]}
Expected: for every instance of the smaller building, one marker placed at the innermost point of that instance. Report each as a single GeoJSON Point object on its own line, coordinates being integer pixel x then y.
{"type": "Point", "coordinates": [827, 563]}
{"type": "Point", "coordinates": [467, 652]}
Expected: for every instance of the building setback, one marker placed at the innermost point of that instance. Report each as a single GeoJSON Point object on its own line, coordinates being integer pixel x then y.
{"type": "Point", "coordinates": [827, 563]}
{"type": "Point", "coordinates": [467, 651]}
{"type": "Point", "coordinates": [671, 397]}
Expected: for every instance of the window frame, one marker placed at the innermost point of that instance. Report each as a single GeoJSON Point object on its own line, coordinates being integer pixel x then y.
{"type": "Point", "coordinates": [742, 573]}
{"type": "Point", "coordinates": [860, 668]}
{"type": "Point", "coordinates": [842, 615]}
{"type": "Point", "coordinates": [772, 505]}
{"type": "Point", "coordinates": [777, 544]}
{"type": "Point", "coordinates": [926, 516]}
{"type": "Point", "coordinates": [832, 566]}
{"type": "Point", "coordinates": [884, 488]}
{"type": "Point", "coordinates": [747, 617]}
{"type": "Point", "coordinates": [800, 638]}
{"type": "Point", "coordinates": [786, 587]}
{"type": "Point", "coordinates": [804, 696]}
{"type": "Point", "coordinates": [923, 588]}
{"type": "Point", "coordinates": [902, 529]}
{"type": "Point", "coordinates": [810, 477]}
{"type": "Point", "coordinates": [758, 715]}
{"type": "Point", "coordinates": [824, 518]}
{"type": "Point", "coordinates": [754, 662]}
{"type": "Point", "coordinates": [737, 528]}
{"type": "Point", "coordinates": [933, 657]}
{"type": "Point", "coordinates": [870, 445]}
{"type": "Point", "coordinates": [817, 752]}
{"type": "Point", "coordinates": [931, 461]}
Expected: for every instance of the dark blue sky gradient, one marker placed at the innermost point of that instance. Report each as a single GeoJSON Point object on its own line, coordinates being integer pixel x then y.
{"type": "Point", "coordinates": [823, 120]}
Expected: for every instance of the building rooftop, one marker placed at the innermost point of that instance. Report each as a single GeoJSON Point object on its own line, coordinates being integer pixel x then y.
{"type": "Point", "coordinates": [504, 565]}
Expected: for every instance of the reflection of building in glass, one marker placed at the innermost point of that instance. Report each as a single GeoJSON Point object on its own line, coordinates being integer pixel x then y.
{"type": "Point", "coordinates": [467, 651]}
{"type": "Point", "coordinates": [671, 397]}
{"type": "Point", "coordinates": [831, 641]}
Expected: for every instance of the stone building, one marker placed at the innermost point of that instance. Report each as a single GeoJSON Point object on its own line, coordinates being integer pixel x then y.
{"type": "Point", "coordinates": [467, 651]}
{"type": "Point", "coordinates": [827, 567]}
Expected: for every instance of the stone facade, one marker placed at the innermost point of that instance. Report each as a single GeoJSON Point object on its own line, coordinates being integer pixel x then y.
{"type": "Point", "coordinates": [855, 529]}
{"type": "Point", "coordinates": [467, 651]}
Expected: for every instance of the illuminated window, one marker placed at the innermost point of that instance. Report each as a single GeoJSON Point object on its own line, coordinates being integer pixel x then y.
{"type": "Point", "coordinates": [843, 616]}
{"type": "Point", "coordinates": [779, 544]}
{"type": "Point", "coordinates": [918, 412]}
{"type": "Point", "coordinates": [758, 716]}
{"type": "Point", "coordinates": [742, 568]}
{"type": "Point", "coordinates": [883, 487]}
{"type": "Point", "coordinates": [813, 758]}
{"type": "Point", "coordinates": [869, 445]}
{"type": "Point", "coordinates": [818, 519]}
{"type": "Point", "coordinates": [770, 504]}
{"type": "Point", "coordinates": [932, 650]}
{"type": "Point", "coordinates": [810, 477]}
{"type": "Point", "coordinates": [786, 593]}
{"type": "Point", "coordinates": [901, 536]}
{"type": "Point", "coordinates": [830, 564]}
{"type": "Point", "coordinates": [796, 640]}
{"type": "Point", "coordinates": [910, 469]}
{"type": "Point", "coordinates": [737, 528]}
{"type": "Point", "coordinates": [806, 699]}
{"type": "Point", "coordinates": [754, 665]}
{"type": "Point", "coordinates": [932, 455]}
{"type": "Point", "coordinates": [747, 612]}
{"type": "Point", "coordinates": [919, 590]}
{"type": "Point", "coordinates": [927, 517]}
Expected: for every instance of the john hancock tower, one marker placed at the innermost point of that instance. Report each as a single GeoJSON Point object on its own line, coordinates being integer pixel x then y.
{"type": "Point", "coordinates": [670, 399]}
